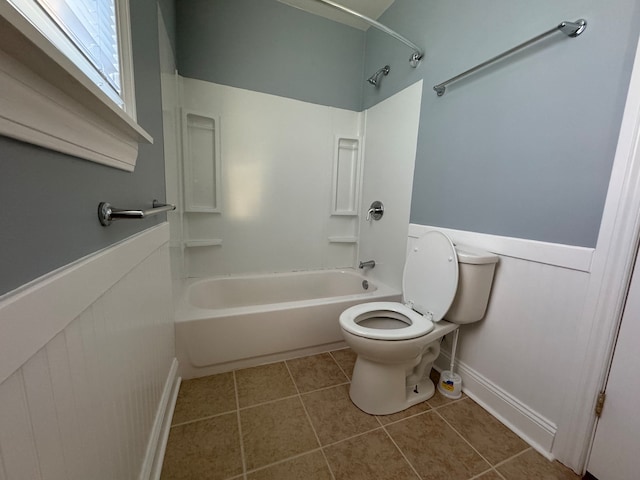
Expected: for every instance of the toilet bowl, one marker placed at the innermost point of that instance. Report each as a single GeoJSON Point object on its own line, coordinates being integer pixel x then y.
{"type": "Point", "coordinates": [397, 343]}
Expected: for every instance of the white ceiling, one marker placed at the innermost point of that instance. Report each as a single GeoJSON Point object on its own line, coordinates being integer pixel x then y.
{"type": "Point", "coordinates": [370, 8]}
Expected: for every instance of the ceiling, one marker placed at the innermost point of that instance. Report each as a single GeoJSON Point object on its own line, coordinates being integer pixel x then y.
{"type": "Point", "coordinates": [370, 8]}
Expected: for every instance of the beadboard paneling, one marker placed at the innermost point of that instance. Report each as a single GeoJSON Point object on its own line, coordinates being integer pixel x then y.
{"type": "Point", "coordinates": [513, 361]}
{"type": "Point", "coordinates": [84, 405]}
{"type": "Point", "coordinates": [16, 439]}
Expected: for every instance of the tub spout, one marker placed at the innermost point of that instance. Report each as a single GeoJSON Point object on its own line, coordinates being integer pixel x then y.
{"type": "Point", "coordinates": [367, 264]}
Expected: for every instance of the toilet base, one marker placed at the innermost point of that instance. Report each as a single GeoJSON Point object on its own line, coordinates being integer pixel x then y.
{"type": "Point", "coordinates": [380, 389]}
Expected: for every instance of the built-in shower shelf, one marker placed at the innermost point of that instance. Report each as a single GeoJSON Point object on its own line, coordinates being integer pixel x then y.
{"type": "Point", "coordinates": [213, 242]}
{"type": "Point", "coordinates": [343, 239]}
{"type": "Point", "coordinates": [346, 214]}
{"type": "Point", "coordinates": [346, 176]}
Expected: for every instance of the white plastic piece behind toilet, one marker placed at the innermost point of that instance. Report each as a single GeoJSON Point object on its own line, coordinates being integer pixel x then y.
{"type": "Point", "coordinates": [450, 383]}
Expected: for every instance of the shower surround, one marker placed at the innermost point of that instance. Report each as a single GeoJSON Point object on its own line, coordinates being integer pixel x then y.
{"type": "Point", "coordinates": [275, 160]}
{"type": "Point", "coordinates": [269, 184]}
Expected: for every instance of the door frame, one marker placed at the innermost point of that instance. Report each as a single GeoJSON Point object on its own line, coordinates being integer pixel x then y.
{"type": "Point", "coordinates": [610, 274]}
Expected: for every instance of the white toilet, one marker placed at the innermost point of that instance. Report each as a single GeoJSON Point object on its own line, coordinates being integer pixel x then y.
{"type": "Point", "coordinates": [397, 343]}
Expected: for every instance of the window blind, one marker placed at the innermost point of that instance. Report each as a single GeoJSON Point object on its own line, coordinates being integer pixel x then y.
{"type": "Point", "coordinates": [91, 26]}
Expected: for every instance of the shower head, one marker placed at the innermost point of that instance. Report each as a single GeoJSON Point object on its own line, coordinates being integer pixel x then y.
{"type": "Point", "coordinates": [375, 78]}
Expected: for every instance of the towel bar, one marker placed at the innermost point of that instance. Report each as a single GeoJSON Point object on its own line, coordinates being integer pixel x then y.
{"type": "Point", "coordinates": [107, 213]}
{"type": "Point", "coordinates": [570, 29]}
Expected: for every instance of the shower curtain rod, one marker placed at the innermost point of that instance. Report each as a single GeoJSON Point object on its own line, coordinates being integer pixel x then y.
{"type": "Point", "coordinates": [416, 56]}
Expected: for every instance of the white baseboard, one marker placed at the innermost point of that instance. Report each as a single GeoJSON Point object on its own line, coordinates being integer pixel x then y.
{"type": "Point", "coordinates": [532, 427]}
{"type": "Point", "coordinates": [152, 464]}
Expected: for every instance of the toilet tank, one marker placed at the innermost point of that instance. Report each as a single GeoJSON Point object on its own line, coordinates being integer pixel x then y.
{"type": "Point", "coordinates": [475, 277]}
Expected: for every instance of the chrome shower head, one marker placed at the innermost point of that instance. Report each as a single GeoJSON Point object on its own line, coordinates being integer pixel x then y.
{"type": "Point", "coordinates": [375, 78]}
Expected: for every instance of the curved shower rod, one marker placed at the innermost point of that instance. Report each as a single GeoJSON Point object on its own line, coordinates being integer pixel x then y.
{"type": "Point", "coordinates": [416, 56]}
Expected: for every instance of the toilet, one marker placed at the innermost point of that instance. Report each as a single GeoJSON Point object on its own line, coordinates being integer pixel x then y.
{"type": "Point", "coordinates": [397, 343]}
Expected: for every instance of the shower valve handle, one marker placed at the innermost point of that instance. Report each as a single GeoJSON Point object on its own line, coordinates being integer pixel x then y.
{"type": "Point", "coordinates": [376, 210]}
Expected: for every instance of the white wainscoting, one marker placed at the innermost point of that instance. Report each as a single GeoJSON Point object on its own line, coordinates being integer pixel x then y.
{"type": "Point", "coordinates": [90, 402]}
{"type": "Point", "coordinates": [513, 362]}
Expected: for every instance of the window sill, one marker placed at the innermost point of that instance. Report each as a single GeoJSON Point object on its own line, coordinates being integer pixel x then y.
{"type": "Point", "coordinates": [47, 101]}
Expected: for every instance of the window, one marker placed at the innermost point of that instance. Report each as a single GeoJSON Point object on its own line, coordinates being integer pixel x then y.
{"type": "Point", "coordinates": [88, 33]}
{"type": "Point", "coordinates": [66, 78]}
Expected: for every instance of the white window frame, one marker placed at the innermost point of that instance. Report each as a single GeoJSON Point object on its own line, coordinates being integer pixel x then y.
{"type": "Point", "coordinates": [46, 100]}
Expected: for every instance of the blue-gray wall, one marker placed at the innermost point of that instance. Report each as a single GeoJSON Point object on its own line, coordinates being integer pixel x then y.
{"type": "Point", "coordinates": [48, 200]}
{"type": "Point", "coordinates": [525, 148]}
{"type": "Point", "coordinates": [269, 47]}
{"type": "Point", "coordinates": [168, 9]}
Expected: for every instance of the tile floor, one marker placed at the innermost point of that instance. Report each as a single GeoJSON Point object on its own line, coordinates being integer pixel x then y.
{"type": "Point", "coordinates": [294, 420]}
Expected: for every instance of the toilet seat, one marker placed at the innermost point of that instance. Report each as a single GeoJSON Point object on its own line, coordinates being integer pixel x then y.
{"type": "Point", "coordinates": [429, 283]}
{"type": "Point", "coordinates": [417, 324]}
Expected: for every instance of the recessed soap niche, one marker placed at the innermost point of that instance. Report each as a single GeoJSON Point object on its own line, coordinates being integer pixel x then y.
{"type": "Point", "coordinates": [202, 175]}
{"type": "Point", "coordinates": [346, 175]}
{"type": "Point", "coordinates": [201, 162]}
{"type": "Point", "coordinates": [345, 191]}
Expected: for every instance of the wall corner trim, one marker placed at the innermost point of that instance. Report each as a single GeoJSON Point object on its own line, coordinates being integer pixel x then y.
{"type": "Point", "coordinates": [152, 464]}
{"type": "Point", "coordinates": [33, 314]}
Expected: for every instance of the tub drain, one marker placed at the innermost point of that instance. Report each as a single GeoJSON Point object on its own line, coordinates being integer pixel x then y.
{"type": "Point", "coordinates": [365, 284]}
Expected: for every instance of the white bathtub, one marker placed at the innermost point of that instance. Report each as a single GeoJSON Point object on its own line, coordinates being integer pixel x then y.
{"type": "Point", "coordinates": [233, 322]}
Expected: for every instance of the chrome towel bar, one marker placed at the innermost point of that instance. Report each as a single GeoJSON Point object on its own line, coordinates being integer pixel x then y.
{"type": "Point", "coordinates": [107, 213]}
{"type": "Point", "coordinates": [571, 29]}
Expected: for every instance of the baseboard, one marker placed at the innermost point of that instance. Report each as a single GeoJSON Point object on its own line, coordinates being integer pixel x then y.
{"type": "Point", "coordinates": [152, 464]}
{"type": "Point", "coordinates": [532, 427]}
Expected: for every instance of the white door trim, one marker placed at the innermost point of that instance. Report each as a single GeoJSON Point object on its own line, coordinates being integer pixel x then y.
{"type": "Point", "coordinates": [610, 274]}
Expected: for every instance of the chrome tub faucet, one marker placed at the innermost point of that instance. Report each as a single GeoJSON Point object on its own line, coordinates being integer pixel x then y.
{"type": "Point", "coordinates": [367, 264]}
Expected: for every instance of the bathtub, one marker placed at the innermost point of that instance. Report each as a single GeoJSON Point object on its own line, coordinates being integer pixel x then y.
{"type": "Point", "coordinates": [226, 323]}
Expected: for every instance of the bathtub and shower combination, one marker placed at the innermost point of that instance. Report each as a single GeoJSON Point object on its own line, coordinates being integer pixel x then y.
{"type": "Point", "coordinates": [233, 322]}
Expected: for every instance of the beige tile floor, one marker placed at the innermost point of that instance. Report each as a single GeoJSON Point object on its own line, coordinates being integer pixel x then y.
{"type": "Point", "coordinates": [294, 420]}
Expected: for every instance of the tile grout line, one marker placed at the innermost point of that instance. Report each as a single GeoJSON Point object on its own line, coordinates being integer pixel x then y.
{"type": "Point", "coordinates": [476, 477]}
{"type": "Point", "coordinates": [498, 473]}
{"type": "Point", "coordinates": [347, 377]}
{"type": "Point", "coordinates": [237, 477]}
{"type": "Point", "coordinates": [326, 461]}
{"type": "Point", "coordinates": [451, 402]}
{"type": "Point", "coordinates": [463, 438]}
{"type": "Point", "coordinates": [208, 417]}
{"type": "Point", "coordinates": [292, 396]}
{"type": "Point", "coordinates": [268, 402]}
{"type": "Point", "coordinates": [242, 454]}
{"type": "Point", "coordinates": [351, 437]}
{"type": "Point", "coordinates": [393, 422]}
{"type": "Point", "coordinates": [284, 460]}
{"type": "Point", "coordinates": [499, 464]}
{"type": "Point", "coordinates": [340, 366]}
{"type": "Point", "coordinates": [401, 452]}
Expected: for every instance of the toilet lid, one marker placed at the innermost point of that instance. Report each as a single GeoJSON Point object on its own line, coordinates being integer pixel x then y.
{"type": "Point", "coordinates": [430, 277]}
